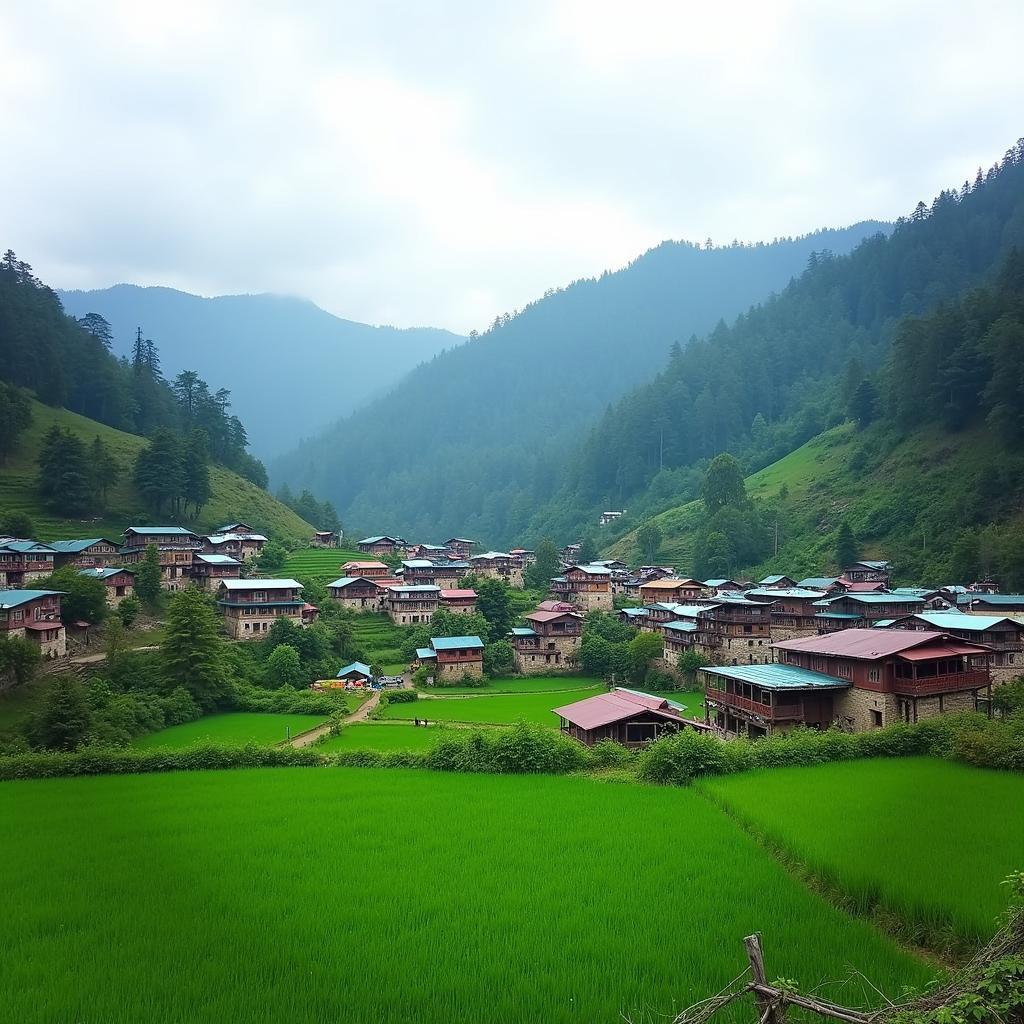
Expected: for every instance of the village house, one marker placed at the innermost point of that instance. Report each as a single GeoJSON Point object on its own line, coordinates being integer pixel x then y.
{"type": "Point", "coordinates": [777, 582]}
{"type": "Point", "coordinates": [238, 545]}
{"type": "Point", "coordinates": [411, 605]}
{"type": "Point", "coordinates": [449, 659]}
{"type": "Point", "coordinates": [498, 565]}
{"type": "Point", "coordinates": [357, 592]}
{"type": "Point", "coordinates": [549, 641]}
{"type": "Point", "coordinates": [323, 539]}
{"type": "Point", "coordinates": [459, 601]}
{"type": "Point", "coordinates": [209, 570]}
{"type": "Point", "coordinates": [736, 630]}
{"type": "Point", "coordinates": [525, 557]}
{"type": "Point", "coordinates": [85, 554]}
{"type": "Point", "coordinates": [723, 586]}
{"type": "Point", "coordinates": [119, 581]}
{"type": "Point", "coordinates": [859, 679]}
{"type": "Point", "coordinates": [355, 676]}
{"type": "Point", "coordinates": [390, 546]}
{"type": "Point", "coordinates": [868, 572]}
{"type": "Point", "coordinates": [369, 570]}
{"type": "Point", "coordinates": [418, 572]}
{"type": "Point", "coordinates": [431, 551]}
{"type": "Point", "coordinates": [679, 636]}
{"type": "Point", "coordinates": [22, 561]}
{"type": "Point", "coordinates": [628, 717]}
{"type": "Point", "coordinates": [176, 546]}
{"type": "Point", "coordinates": [822, 583]}
{"type": "Point", "coordinates": [990, 604]}
{"type": "Point", "coordinates": [460, 547]}
{"type": "Point", "coordinates": [851, 610]}
{"type": "Point", "coordinates": [794, 610]}
{"type": "Point", "coordinates": [588, 586]}
{"type": "Point", "coordinates": [251, 607]}
{"type": "Point", "coordinates": [1003, 636]}
{"type": "Point", "coordinates": [669, 589]}
{"type": "Point", "coordinates": [570, 553]}
{"type": "Point", "coordinates": [34, 615]}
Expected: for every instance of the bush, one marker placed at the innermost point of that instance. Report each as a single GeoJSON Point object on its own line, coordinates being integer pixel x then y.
{"type": "Point", "coordinates": [399, 696]}
{"type": "Point", "coordinates": [521, 749]}
{"type": "Point", "coordinates": [287, 700]}
{"type": "Point", "coordinates": [609, 754]}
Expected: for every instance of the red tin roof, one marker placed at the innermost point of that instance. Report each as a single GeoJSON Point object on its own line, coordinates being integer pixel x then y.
{"type": "Point", "coordinates": [458, 593]}
{"type": "Point", "coordinates": [870, 644]}
{"type": "Point", "coordinates": [605, 708]}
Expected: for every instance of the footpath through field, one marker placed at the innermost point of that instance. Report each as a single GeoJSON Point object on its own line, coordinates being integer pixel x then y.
{"type": "Point", "coordinates": [361, 714]}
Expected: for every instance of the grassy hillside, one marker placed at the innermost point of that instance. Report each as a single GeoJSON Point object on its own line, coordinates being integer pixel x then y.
{"type": "Point", "coordinates": [902, 497]}
{"type": "Point", "coordinates": [232, 499]}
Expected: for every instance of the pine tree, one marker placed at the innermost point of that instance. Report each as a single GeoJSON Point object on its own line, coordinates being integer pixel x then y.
{"type": "Point", "coordinates": [103, 471]}
{"type": "Point", "coordinates": [148, 576]}
{"type": "Point", "coordinates": [545, 565]}
{"type": "Point", "coordinates": [195, 471]}
{"type": "Point", "coordinates": [847, 550]}
{"type": "Point", "coordinates": [63, 478]}
{"type": "Point", "coordinates": [864, 403]}
{"type": "Point", "coordinates": [192, 650]}
{"type": "Point", "coordinates": [159, 476]}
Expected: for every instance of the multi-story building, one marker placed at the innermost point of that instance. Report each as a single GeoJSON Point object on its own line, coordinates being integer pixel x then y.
{"type": "Point", "coordinates": [384, 545]}
{"type": "Point", "coordinates": [411, 605]}
{"type": "Point", "coordinates": [34, 615]}
{"type": "Point", "coordinates": [669, 589]}
{"type": "Point", "coordinates": [848, 610]}
{"type": "Point", "coordinates": [357, 592]}
{"type": "Point", "coordinates": [368, 570]}
{"type": "Point", "coordinates": [498, 565]}
{"type": "Point", "coordinates": [460, 601]}
{"type": "Point", "coordinates": [251, 607]}
{"type": "Point", "coordinates": [868, 572]}
{"type": "Point", "coordinates": [460, 547]}
{"type": "Point", "coordinates": [22, 561]}
{"type": "Point", "coordinates": [549, 641]}
{"type": "Point", "coordinates": [240, 545]}
{"type": "Point", "coordinates": [176, 546]}
{"type": "Point", "coordinates": [85, 554]}
{"type": "Point", "coordinates": [587, 586]}
{"type": "Point", "coordinates": [793, 610]}
{"type": "Point", "coordinates": [209, 570]}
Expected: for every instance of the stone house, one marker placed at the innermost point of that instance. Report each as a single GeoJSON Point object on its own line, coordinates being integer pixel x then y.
{"type": "Point", "coordinates": [848, 610]}
{"type": "Point", "coordinates": [22, 561]}
{"type": "Point", "coordinates": [587, 586]}
{"type": "Point", "coordinates": [209, 570]}
{"type": "Point", "coordinates": [238, 545]}
{"type": "Point", "coordinates": [383, 545]}
{"type": "Point", "coordinates": [34, 615]}
{"type": "Point", "coordinates": [176, 546]}
{"type": "Point", "coordinates": [458, 601]}
{"type": "Point", "coordinates": [119, 581]}
{"type": "Point", "coordinates": [357, 592]}
{"type": "Point", "coordinates": [548, 642]}
{"type": "Point", "coordinates": [460, 547]}
{"type": "Point", "coordinates": [668, 589]}
{"type": "Point", "coordinates": [251, 607]}
{"type": "Point", "coordinates": [793, 610]}
{"type": "Point", "coordinates": [411, 605]}
{"type": "Point", "coordinates": [449, 659]}
{"type": "Point", "coordinates": [498, 565]}
{"type": "Point", "coordinates": [85, 554]}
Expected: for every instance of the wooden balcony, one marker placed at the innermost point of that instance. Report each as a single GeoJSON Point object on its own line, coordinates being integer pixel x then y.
{"type": "Point", "coordinates": [772, 712]}
{"type": "Point", "coordinates": [974, 679]}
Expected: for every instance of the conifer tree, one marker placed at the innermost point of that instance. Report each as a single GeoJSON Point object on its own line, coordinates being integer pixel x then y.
{"type": "Point", "coordinates": [192, 649]}
{"type": "Point", "coordinates": [148, 576]}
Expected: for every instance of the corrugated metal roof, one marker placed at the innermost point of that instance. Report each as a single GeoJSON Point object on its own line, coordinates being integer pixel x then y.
{"type": "Point", "coordinates": [780, 677]}
{"type": "Point", "coordinates": [799, 592]}
{"type": "Point", "coordinates": [356, 666]}
{"type": "Point", "coordinates": [681, 627]}
{"type": "Point", "coordinates": [769, 580]}
{"type": "Point", "coordinates": [605, 708]}
{"type": "Point", "coordinates": [29, 547]}
{"type": "Point", "coordinates": [418, 563]}
{"type": "Point", "coordinates": [523, 631]}
{"type": "Point", "coordinates": [425, 652]}
{"type": "Point", "coordinates": [863, 643]}
{"type": "Point", "coordinates": [667, 583]}
{"type": "Point", "coordinates": [74, 547]}
{"type": "Point", "coordinates": [227, 538]}
{"type": "Point", "coordinates": [217, 559]}
{"type": "Point", "coordinates": [257, 584]}
{"type": "Point", "coordinates": [546, 616]}
{"type": "Point", "coordinates": [818, 582]}
{"type": "Point", "coordinates": [147, 531]}
{"type": "Point", "coordinates": [15, 598]}
{"type": "Point", "coordinates": [104, 573]}
{"type": "Point", "coordinates": [420, 588]}
{"type": "Point", "coordinates": [452, 594]}
{"type": "Point", "coordinates": [960, 620]}
{"type": "Point", "coordinates": [949, 649]}
{"type": "Point", "coordinates": [376, 540]}
{"type": "Point", "coordinates": [874, 599]}
{"type": "Point", "coordinates": [991, 599]}
{"type": "Point", "coordinates": [452, 643]}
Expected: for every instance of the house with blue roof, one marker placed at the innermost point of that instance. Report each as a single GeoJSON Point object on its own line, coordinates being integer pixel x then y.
{"type": "Point", "coordinates": [119, 581]}
{"type": "Point", "coordinates": [34, 615]}
{"type": "Point", "coordinates": [449, 659]}
{"type": "Point", "coordinates": [175, 546]}
{"type": "Point", "coordinates": [22, 561]}
{"type": "Point", "coordinates": [86, 553]}
{"type": "Point", "coordinates": [847, 611]}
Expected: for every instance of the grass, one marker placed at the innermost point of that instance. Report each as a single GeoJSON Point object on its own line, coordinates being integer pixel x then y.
{"type": "Point", "coordinates": [520, 684]}
{"type": "Point", "coordinates": [923, 840]}
{"type": "Point", "coordinates": [323, 564]}
{"type": "Point", "coordinates": [495, 709]}
{"type": "Point", "coordinates": [376, 736]}
{"type": "Point", "coordinates": [692, 700]}
{"type": "Point", "coordinates": [232, 498]}
{"type": "Point", "coordinates": [232, 727]}
{"type": "Point", "coordinates": [314, 895]}
{"type": "Point", "coordinates": [381, 641]}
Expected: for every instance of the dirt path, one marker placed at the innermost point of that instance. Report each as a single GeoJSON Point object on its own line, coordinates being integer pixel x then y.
{"type": "Point", "coordinates": [361, 714]}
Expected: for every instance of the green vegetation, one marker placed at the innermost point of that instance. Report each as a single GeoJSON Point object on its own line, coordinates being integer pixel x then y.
{"type": "Point", "coordinates": [378, 736]}
{"type": "Point", "coordinates": [231, 496]}
{"type": "Point", "coordinates": [233, 728]}
{"type": "Point", "coordinates": [486, 876]}
{"type": "Point", "coordinates": [381, 642]}
{"type": "Point", "coordinates": [924, 842]}
{"type": "Point", "coordinates": [496, 709]}
{"type": "Point", "coordinates": [524, 684]}
{"type": "Point", "coordinates": [322, 564]}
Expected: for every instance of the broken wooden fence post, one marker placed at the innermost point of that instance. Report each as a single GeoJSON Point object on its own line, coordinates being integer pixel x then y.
{"type": "Point", "coordinates": [771, 1013]}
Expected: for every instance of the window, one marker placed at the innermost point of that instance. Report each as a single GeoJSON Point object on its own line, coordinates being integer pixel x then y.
{"type": "Point", "coordinates": [874, 675]}
{"type": "Point", "coordinates": [876, 718]}
{"type": "Point", "coordinates": [844, 670]}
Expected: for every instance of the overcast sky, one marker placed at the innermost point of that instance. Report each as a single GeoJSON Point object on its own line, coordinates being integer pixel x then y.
{"type": "Point", "coordinates": [436, 164]}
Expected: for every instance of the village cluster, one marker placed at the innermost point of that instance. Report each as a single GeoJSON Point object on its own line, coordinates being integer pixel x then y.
{"type": "Point", "coordinates": [851, 650]}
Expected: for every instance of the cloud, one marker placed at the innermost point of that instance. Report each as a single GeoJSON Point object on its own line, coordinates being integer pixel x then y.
{"type": "Point", "coordinates": [439, 164]}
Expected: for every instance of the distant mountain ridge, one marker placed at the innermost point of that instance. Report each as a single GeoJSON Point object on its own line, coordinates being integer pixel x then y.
{"type": "Point", "coordinates": [291, 366]}
{"type": "Point", "coordinates": [488, 422]}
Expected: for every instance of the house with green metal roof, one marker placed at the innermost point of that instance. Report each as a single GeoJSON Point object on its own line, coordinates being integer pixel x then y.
{"type": "Point", "coordinates": [450, 659]}
{"type": "Point", "coordinates": [86, 553]}
{"type": "Point", "coordinates": [847, 610]}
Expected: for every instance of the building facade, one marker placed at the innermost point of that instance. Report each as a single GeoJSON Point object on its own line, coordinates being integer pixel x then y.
{"type": "Point", "coordinates": [251, 607]}
{"type": "Point", "coordinates": [549, 642]}
{"type": "Point", "coordinates": [175, 545]}
{"type": "Point", "coordinates": [34, 615]}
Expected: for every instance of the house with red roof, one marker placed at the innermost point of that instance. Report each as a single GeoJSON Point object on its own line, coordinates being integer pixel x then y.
{"type": "Point", "coordinates": [549, 641]}
{"type": "Point", "coordinates": [857, 679]}
{"type": "Point", "coordinates": [629, 717]}
{"type": "Point", "coordinates": [461, 601]}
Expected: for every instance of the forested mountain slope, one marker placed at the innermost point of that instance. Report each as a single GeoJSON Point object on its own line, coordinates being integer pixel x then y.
{"type": "Point", "coordinates": [232, 499]}
{"type": "Point", "coordinates": [291, 366]}
{"type": "Point", "coordinates": [929, 472]}
{"type": "Point", "coordinates": [469, 442]}
{"type": "Point", "coordinates": [790, 367]}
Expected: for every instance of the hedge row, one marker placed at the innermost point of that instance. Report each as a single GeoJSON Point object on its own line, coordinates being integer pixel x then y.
{"type": "Point", "coordinates": [675, 760]}
{"type": "Point", "coordinates": [398, 696]}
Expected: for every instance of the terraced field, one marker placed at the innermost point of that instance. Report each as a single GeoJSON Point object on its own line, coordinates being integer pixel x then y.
{"type": "Point", "coordinates": [381, 641]}
{"type": "Point", "coordinates": [323, 564]}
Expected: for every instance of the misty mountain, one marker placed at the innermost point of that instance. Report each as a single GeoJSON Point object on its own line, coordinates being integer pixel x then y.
{"type": "Point", "coordinates": [291, 366]}
{"type": "Point", "coordinates": [463, 439]}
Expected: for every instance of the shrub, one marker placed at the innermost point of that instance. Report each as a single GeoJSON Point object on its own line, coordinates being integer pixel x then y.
{"type": "Point", "coordinates": [609, 754]}
{"type": "Point", "coordinates": [399, 697]}
{"type": "Point", "coordinates": [521, 749]}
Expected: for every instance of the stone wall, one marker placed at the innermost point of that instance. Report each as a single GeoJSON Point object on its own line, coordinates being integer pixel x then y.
{"type": "Point", "coordinates": [543, 660]}
{"type": "Point", "coordinates": [855, 708]}
{"type": "Point", "coordinates": [737, 651]}
{"type": "Point", "coordinates": [418, 617]}
{"type": "Point", "coordinates": [450, 673]}
{"type": "Point", "coordinates": [259, 625]}
{"type": "Point", "coordinates": [601, 600]}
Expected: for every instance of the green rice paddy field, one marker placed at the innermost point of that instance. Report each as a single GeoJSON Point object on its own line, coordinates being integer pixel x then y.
{"type": "Point", "coordinates": [234, 727]}
{"type": "Point", "coordinates": [926, 841]}
{"type": "Point", "coordinates": [331, 895]}
{"type": "Point", "coordinates": [496, 709]}
{"type": "Point", "coordinates": [323, 564]}
{"type": "Point", "coordinates": [518, 684]}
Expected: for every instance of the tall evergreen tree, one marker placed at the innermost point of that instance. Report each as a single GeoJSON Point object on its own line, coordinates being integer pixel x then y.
{"type": "Point", "coordinates": [63, 477]}
{"type": "Point", "coordinates": [148, 576]}
{"type": "Point", "coordinates": [545, 565]}
{"type": "Point", "coordinates": [847, 549]}
{"type": "Point", "coordinates": [193, 651]}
